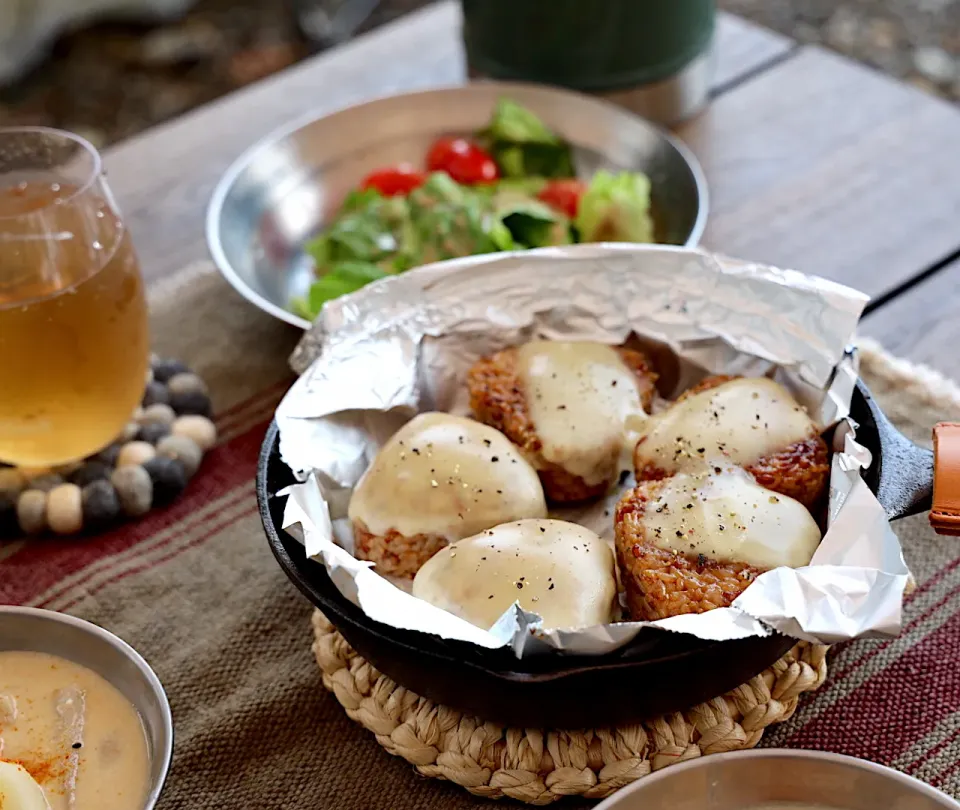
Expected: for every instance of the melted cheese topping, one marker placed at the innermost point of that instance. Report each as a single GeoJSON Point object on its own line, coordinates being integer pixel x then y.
{"type": "Point", "coordinates": [559, 570]}
{"type": "Point", "coordinates": [80, 739]}
{"type": "Point", "coordinates": [579, 396]}
{"type": "Point", "coordinates": [743, 420]}
{"type": "Point", "coordinates": [730, 518]}
{"type": "Point", "coordinates": [449, 476]}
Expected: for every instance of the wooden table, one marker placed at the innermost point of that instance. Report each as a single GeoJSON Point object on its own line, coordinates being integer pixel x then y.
{"type": "Point", "coordinates": [814, 162]}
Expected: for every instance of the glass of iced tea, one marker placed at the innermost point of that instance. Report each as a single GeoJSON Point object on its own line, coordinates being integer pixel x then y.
{"type": "Point", "coordinates": [74, 348]}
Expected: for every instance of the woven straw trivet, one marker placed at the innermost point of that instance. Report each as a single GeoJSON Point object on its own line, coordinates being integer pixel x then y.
{"type": "Point", "coordinates": [539, 766]}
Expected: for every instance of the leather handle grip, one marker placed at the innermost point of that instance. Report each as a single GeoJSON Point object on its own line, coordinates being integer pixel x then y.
{"type": "Point", "coordinates": [945, 512]}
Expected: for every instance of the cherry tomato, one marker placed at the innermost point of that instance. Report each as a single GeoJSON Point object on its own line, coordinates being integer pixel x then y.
{"type": "Point", "coordinates": [395, 181]}
{"type": "Point", "coordinates": [464, 161]}
{"type": "Point", "coordinates": [563, 195]}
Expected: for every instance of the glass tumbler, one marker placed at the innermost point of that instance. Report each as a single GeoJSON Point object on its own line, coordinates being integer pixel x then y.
{"type": "Point", "coordinates": [74, 346]}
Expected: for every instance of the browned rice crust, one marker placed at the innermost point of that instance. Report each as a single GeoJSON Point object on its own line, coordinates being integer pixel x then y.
{"type": "Point", "coordinates": [800, 471]}
{"type": "Point", "coordinates": [706, 384]}
{"type": "Point", "coordinates": [395, 553]}
{"type": "Point", "coordinates": [498, 400]}
{"type": "Point", "coordinates": [660, 583]}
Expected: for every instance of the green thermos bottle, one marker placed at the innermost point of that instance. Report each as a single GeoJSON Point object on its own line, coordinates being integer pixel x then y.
{"type": "Point", "coordinates": [651, 56]}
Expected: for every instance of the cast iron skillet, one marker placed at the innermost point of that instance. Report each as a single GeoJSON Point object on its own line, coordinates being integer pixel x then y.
{"type": "Point", "coordinates": [655, 673]}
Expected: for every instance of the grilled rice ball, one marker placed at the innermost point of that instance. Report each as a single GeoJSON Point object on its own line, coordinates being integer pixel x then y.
{"type": "Point", "coordinates": [694, 542]}
{"type": "Point", "coordinates": [800, 470]}
{"type": "Point", "coordinates": [660, 583]}
{"type": "Point", "coordinates": [713, 381]}
{"type": "Point", "coordinates": [438, 479]}
{"type": "Point", "coordinates": [498, 399]}
{"type": "Point", "coordinates": [394, 553]}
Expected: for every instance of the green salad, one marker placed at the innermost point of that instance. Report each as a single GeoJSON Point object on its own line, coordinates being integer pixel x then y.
{"type": "Point", "coordinates": [511, 186]}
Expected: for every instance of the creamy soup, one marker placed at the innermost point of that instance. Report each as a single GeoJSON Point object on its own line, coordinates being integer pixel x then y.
{"type": "Point", "coordinates": [79, 739]}
{"type": "Point", "coordinates": [559, 570]}
{"type": "Point", "coordinates": [579, 396]}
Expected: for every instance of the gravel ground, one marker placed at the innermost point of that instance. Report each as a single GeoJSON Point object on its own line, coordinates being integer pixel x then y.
{"type": "Point", "coordinates": [914, 40]}
{"type": "Point", "coordinates": [110, 82]}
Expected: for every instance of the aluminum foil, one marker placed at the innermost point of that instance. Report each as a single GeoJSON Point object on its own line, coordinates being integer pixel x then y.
{"type": "Point", "coordinates": [402, 346]}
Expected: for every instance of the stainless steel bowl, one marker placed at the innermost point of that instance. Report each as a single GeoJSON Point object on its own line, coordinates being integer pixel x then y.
{"type": "Point", "coordinates": [46, 631]}
{"type": "Point", "coordinates": [744, 780]}
{"type": "Point", "coordinates": [281, 191]}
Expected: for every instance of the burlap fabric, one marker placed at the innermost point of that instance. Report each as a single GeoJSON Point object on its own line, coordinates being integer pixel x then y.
{"type": "Point", "coordinates": [195, 589]}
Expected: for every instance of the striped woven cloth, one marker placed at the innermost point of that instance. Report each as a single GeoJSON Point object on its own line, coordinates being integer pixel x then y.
{"type": "Point", "coordinates": [195, 589]}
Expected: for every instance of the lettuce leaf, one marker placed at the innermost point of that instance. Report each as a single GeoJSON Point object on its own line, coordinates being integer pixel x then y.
{"type": "Point", "coordinates": [370, 228]}
{"type": "Point", "coordinates": [616, 208]}
{"type": "Point", "coordinates": [360, 198]}
{"type": "Point", "coordinates": [453, 220]}
{"type": "Point", "coordinates": [514, 123]}
{"type": "Point", "coordinates": [523, 146]}
{"type": "Point", "coordinates": [342, 278]}
{"type": "Point", "coordinates": [530, 222]}
{"type": "Point", "coordinates": [531, 186]}
{"type": "Point", "coordinates": [374, 236]}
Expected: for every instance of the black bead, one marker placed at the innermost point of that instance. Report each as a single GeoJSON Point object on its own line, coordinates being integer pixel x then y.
{"type": "Point", "coordinates": [155, 392]}
{"type": "Point", "coordinates": [163, 370]}
{"type": "Point", "coordinates": [46, 482]}
{"type": "Point", "coordinates": [191, 402]}
{"type": "Point", "coordinates": [109, 454]}
{"type": "Point", "coordinates": [9, 527]}
{"type": "Point", "coordinates": [153, 432]}
{"type": "Point", "coordinates": [168, 476]}
{"type": "Point", "coordinates": [101, 506]}
{"type": "Point", "coordinates": [92, 470]}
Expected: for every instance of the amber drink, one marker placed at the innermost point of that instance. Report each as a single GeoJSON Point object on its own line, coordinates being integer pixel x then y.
{"type": "Point", "coordinates": [74, 348]}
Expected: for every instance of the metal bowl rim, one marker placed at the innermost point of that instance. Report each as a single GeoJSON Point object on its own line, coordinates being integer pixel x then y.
{"type": "Point", "coordinates": [89, 628]}
{"type": "Point", "coordinates": [910, 782]}
{"type": "Point", "coordinates": [225, 185]}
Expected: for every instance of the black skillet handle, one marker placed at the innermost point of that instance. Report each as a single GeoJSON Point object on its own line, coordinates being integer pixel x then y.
{"type": "Point", "coordinates": [902, 472]}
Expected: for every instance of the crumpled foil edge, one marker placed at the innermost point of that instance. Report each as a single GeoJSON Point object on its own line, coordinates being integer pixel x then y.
{"type": "Point", "coordinates": [401, 346]}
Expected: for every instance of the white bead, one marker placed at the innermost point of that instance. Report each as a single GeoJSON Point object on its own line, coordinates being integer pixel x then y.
{"type": "Point", "coordinates": [135, 453]}
{"type": "Point", "coordinates": [198, 428]}
{"type": "Point", "coordinates": [65, 509]}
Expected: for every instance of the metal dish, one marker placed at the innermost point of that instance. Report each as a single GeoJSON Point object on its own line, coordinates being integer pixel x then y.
{"type": "Point", "coordinates": [655, 673]}
{"type": "Point", "coordinates": [746, 779]}
{"type": "Point", "coordinates": [33, 630]}
{"type": "Point", "coordinates": [278, 193]}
